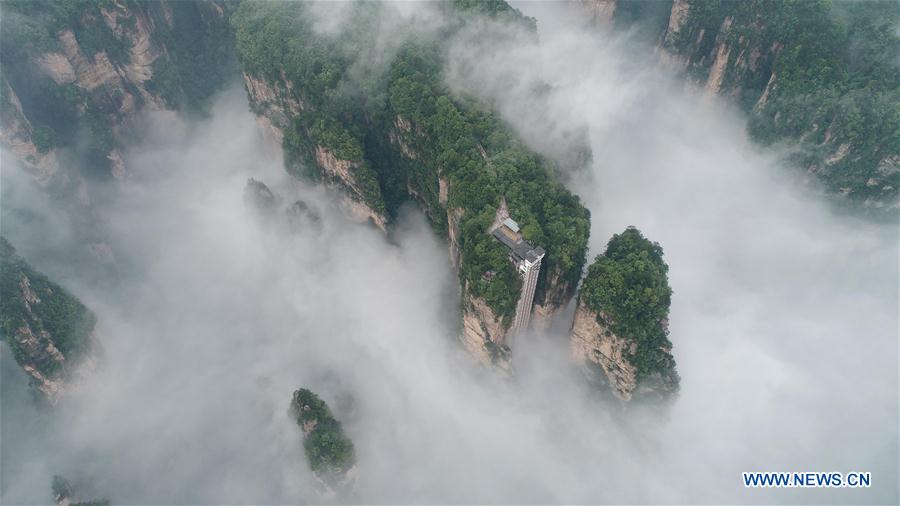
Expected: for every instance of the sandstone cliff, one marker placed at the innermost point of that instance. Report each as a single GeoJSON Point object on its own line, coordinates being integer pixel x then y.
{"type": "Point", "coordinates": [608, 359]}
{"type": "Point", "coordinates": [75, 77]}
{"type": "Point", "coordinates": [484, 334]}
{"type": "Point", "coordinates": [47, 329]}
{"type": "Point", "coordinates": [722, 60]}
{"type": "Point", "coordinates": [811, 73]}
{"type": "Point", "coordinates": [279, 106]}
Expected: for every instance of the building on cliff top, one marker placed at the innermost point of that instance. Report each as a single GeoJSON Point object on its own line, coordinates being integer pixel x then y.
{"type": "Point", "coordinates": [527, 260]}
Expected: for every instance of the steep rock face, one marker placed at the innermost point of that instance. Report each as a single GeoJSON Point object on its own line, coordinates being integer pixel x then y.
{"type": "Point", "coordinates": [343, 172]}
{"type": "Point", "coordinates": [677, 17]}
{"type": "Point", "coordinates": [815, 74]}
{"type": "Point", "coordinates": [279, 106]}
{"type": "Point", "coordinates": [620, 328]}
{"type": "Point", "coordinates": [75, 76]}
{"type": "Point", "coordinates": [274, 102]}
{"type": "Point", "coordinates": [484, 334]}
{"type": "Point", "coordinates": [593, 343]}
{"type": "Point", "coordinates": [47, 329]}
{"type": "Point", "coordinates": [17, 136]}
{"type": "Point", "coordinates": [724, 62]}
{"type": "Point", "coordinates": [552, 300]}
{"type": "Point", "coordinates": [599, 350]}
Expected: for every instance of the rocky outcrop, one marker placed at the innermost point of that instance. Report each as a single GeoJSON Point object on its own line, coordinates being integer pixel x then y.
{"type": "Point", "coordinates": [593, 346]}
{"type": "Point", "coordinates": [484, 334]}
{"type": "Point", "coordinates": [57, 66]}
{"type": "Point", "coordinates": [84, 89]}
{"type": "Point", "coordinates": [259, 197]}
{"type": "Point", "coordinates": [329, 451]}
{"type": "Point", "coordinates": [278, 105]}
{"type": "Point", "coordinates": [723, 51]}
{"type": "Point", "coordinates": [764, 98]}
{"type": "Point", "coordinates": [92, 72]}
{"type": "Point", "coordinates": [48, 330]}
{"type": "Point", "coordinates": [401, 124]}
{"type": "Point", "coordinates": [551, 301]}
{"type": "Point", "coordinates": [677, 17]}
{"type": "Point", "coordinates": [343, 172]}
{"type": "Point", "coordinates": [453, 218]}
{"type": "Point", "coordinates": [760, 56]}
{"type": "Point", "coordinates": [273, 101]}
{"type": "Point", "coordinates": [609, 359]}
{"type": "Point", "coordinates": [17, 135]}
{"type": "Point", "coordinates": [620, 332]}
{"type": "Point", "coordinates": [266, 205]}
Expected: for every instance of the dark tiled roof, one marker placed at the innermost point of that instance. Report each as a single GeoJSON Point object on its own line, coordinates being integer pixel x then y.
{"type": "Point", "coordinates": [520, 248]}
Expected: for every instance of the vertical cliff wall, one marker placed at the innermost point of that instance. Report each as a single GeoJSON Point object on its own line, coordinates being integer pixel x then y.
{"type": "Point", "coordinates": [75, 74]}
{"type": "Point", "coordinates": [816, 74]}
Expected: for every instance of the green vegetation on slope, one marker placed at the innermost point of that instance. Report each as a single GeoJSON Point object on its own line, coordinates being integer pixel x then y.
{"type": "Point", "coordinates": [629, 290]}
{"type": "Point", "coordinates": [199, 56]}
{"type": "Point", "coordinates": [368, 117]}
{"type": "Point", "coordinates": [836, 81]}
{"type": "Point", "coordinates": [65, 320]}
{"type": "Point", "coordinates": [327, 448]}
{"type": "Point", "coordinates": [194, 62]}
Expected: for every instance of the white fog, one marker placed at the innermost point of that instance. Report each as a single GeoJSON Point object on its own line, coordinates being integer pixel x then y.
{"type": "Point", "coordinates": [784, 317]}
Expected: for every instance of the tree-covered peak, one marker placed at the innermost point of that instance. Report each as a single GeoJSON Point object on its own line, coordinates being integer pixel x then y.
{"type": "Point", "coordinates": [329, 451]}
{"type": "Point", "coordinates": [628, 289]}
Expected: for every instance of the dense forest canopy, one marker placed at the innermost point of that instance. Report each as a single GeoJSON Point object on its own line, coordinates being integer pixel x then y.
{"type": "Point", "coordinates": [837, 82]}
{"type": "Point", "coordinates": [326, 446]}
{"type": "Point", "coordinates": [628, 288]}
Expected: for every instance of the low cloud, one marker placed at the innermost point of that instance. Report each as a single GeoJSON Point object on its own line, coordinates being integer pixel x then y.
{"type": "Point", "coordinates": [784, 320]}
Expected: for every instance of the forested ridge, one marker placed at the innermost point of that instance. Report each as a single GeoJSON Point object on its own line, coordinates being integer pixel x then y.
{"type": "Point", "coordinates": [371, 119]}
{"type": "Point", "coordinates": [83, 107]}
{"type": "Point", "coordinates": [328, 450]}
{"type": "Point", "coordinates": [37, 315]}
{"type": "Point", "coordinates": [818, 74]}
